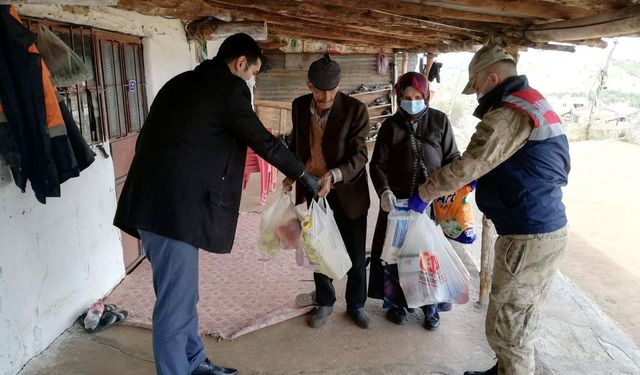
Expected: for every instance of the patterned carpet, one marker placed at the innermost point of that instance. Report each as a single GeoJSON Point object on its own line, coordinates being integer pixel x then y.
{"type": "Point", "coordinates": [239, 292]}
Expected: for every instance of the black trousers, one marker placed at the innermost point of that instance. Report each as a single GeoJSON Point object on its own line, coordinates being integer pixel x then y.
{"type": "Point", "coordinates": [354, 235]}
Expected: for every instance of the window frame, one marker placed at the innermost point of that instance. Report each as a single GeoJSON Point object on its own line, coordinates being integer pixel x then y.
{"type": "Point", "coordinates": [97, 37]}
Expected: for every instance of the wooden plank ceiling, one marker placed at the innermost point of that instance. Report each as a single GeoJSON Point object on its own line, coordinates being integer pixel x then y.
{"type": "Point", "coordinates": [412, 25]}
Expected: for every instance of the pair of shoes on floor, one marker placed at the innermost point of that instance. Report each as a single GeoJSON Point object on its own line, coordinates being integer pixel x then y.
{"type": "Point", "coordinates": [209, 368]}
{"type": "Point", "coordinates": [491, 371]}
{"type": "Point", "coordinates": [360, 317]}
{"type": "Point", "coordinates": [319, 316]}
{"type": "Point", "coordinates": [397, 315]}
{"type": "Point", "coordinates": [111, 316]}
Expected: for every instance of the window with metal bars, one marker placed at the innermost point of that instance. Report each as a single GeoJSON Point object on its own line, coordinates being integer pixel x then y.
{"type": "Point", "coordinates": [113, 103]}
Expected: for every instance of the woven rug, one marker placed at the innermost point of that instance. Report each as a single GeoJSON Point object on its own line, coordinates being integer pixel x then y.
{"type": "Point", "coordinates": [239, 292]}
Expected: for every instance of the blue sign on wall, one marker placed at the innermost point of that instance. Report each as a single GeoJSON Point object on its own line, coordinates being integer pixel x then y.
{"type": "Point", "coordinates": [133, 85]}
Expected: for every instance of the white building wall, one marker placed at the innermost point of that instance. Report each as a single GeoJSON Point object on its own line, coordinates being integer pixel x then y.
{"type": "Point", "coordinates": [57, 258]}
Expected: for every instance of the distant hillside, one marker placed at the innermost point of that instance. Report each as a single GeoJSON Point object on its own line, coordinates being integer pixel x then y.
{"type": "Point", "coordinates": [567, 79]}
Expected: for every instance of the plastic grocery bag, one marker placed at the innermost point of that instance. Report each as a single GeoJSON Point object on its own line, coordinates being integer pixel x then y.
{"type": "Point", "coordinates": [429, 270]}
{"type": "Point", "coordinates": [397, 225]}
{"type": "Point", "coordinates": [66, 67]}
{"type": "Point", "coordinates": [302, 259]}
{"type": "Point", "coordinates": [322, 242]}
{"type": "Point", "coordinates": [280, 226]}
{"type": "Point", "coordinates": [454, 213]}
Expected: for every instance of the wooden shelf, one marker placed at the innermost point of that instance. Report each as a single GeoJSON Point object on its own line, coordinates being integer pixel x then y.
{"type": "Point", "coordinates": [381, 116]}
{"type": "Point", "coordinates": [370, 92]}
{"type": "Point", "coordinates": [380, 106]}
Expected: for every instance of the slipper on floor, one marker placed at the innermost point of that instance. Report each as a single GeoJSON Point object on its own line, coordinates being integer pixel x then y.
{"type": "Point", "coordinates": [306, 299]}
{"type": "Point", "coordinates": [107, 307]}
{"type": "Point", "coordinates": [110, 317]}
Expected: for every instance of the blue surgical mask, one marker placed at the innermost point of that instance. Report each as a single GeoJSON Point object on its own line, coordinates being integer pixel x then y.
{"type": "Point", "coordinates": [413, 107]}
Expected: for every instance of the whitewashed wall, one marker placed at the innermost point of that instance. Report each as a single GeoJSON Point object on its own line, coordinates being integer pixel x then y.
{"type": "Point", "coordinates": [57, 258]}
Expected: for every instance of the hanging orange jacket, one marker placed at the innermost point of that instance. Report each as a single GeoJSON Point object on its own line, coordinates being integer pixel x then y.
{"type": "Point", "coordinates": [36, 125]}
{"type": "Point", "coordinates": [55, 122]}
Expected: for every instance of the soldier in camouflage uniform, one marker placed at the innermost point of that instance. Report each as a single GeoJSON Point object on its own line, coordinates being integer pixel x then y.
{"type": "Point", "coordinates": [520, 156]}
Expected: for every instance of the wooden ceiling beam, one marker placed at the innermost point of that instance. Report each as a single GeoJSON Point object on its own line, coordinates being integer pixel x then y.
{"type": "Point", "coordinates": [426, 10]}
{"type": "Point", "coordinates": [599, 18]}
{"type": "Point", "coordinates": [334, 15]}
{"type": "Point", "coordinates": [185, 10]}
{"type": "Point", "coordinates": [365, 29]}
{"type": "Point", "coordinates": [329, 33]}
{"type": "Point", "coordinates": [595, 5]}
{"type": "Point", "coordinates": [521, 8]}
{"type": "Point", "coordinates": [620, 22]}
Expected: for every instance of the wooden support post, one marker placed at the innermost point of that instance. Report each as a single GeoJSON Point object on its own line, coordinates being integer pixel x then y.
{"type": "Point", "coordinates": [486, 260]}
{"type": "Point", "coordinates": [405, 62]}
{"type": "Point", "coordinates": [431, 57]}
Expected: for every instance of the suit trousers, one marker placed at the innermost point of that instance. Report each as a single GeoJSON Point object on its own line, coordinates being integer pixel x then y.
{"type": "Point", "coordinates": [354, 235]}
{"type": "Point", "coordinates": [177, 347]}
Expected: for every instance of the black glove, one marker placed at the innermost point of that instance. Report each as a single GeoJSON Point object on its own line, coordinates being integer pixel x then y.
{"type": "Point", "coordinates": [310, 182]}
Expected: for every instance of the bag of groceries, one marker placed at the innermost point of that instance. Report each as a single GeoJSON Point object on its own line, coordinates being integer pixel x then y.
{"type": "Point", "coordinates": [397, 225]}
{"type": "Point", "coordinates": [429, 270]}
{"type": "Point", "coordinates": [280, 226]}
{"type": "Point", "coordinates": [454, 213]}
{"type": "Point", "coordinates": [322, 241]}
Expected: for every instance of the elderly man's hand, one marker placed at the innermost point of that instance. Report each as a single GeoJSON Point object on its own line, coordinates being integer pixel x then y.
{"type": "Point", "coordinates": [287, 184]}
{"type": "Point", "coordinates": [325, 185]}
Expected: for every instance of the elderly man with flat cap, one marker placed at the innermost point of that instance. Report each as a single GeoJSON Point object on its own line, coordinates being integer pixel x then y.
{"type": "Point", "coordinates": [520, 156]}
{"type": "Point", "coordinates": [329, 130]}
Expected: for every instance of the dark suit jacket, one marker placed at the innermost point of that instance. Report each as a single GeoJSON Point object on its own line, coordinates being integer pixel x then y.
{"type": "Point", "coordinates": [343, 145]}
{"type": "Point", "coordinates": [185, 180]}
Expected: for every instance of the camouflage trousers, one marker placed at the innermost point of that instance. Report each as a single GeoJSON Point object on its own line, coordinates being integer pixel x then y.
{"type": "Point", "coordinates": [524, 268]}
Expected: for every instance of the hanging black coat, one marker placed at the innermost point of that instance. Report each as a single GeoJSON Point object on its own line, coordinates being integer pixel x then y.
{"type": "Point", "coordinates": [39, 153]}
{"type": "Point", "coordinates": [22, 97]}
{"type": "Point", "coordinates": [392, 166]}
{"type": "Point", "coordinates": [185, 180]}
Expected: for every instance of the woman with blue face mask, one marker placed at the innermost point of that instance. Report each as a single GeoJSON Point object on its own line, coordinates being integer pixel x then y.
{"type": "Point", "coordinates": [413, 142]}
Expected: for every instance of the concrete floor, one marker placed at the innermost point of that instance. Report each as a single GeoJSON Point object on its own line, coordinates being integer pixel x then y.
{"type": "Point", "coordinates": [575, 337]}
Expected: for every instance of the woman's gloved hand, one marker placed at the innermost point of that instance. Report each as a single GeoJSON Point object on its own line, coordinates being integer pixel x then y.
{"type": "Point", "coordinates": [387, 201]}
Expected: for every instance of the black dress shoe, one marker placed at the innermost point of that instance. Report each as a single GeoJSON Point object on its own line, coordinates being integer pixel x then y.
{"type": "Point", "coordinates": [319, 317]}
{"type": "Point", "coordinates": [397, 315]}
{"type": "Point", "coordinates": [360, 317]}
{"type": "Point", "coordinates": [209, 368]}
{"type": "Point", "coordinates": [431, 322]}
{"type": "Point", "coordinates": [491, 371]}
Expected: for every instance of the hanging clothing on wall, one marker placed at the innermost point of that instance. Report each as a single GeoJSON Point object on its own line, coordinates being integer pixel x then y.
{"type": "Point", "coordinates": [31, 108]}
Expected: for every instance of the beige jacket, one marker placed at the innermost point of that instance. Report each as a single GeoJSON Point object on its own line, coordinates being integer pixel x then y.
{"type": "Point", "coordinates": [498, 136]}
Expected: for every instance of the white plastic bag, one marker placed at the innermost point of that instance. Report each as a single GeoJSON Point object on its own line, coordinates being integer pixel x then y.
{"type": "Point", "coordinates": [429, 269]}
{"type": "Point", "coordinates": [397, 225]}
{"type": "Point", "coordinates": [322, 242]}
{"type": "Point", "coordinates": [301, 259]}
{"type": "Point", "coordinates": [280, 226]}
{"type": "Point", "coordinates": [66, 67]}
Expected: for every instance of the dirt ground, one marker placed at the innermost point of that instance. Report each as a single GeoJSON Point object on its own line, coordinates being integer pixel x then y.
{"type": "Point", "coordinates": [602, 204]}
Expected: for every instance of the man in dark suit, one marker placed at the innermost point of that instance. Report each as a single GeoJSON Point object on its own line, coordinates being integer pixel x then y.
{"type": "Point", "coordinates": [329, 130]}
{"type": "Point", "coordinates": [183, 189]}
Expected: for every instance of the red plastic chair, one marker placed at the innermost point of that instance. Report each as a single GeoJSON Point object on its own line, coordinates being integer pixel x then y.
{"type": "Point", "coordinates": [255, 164]}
